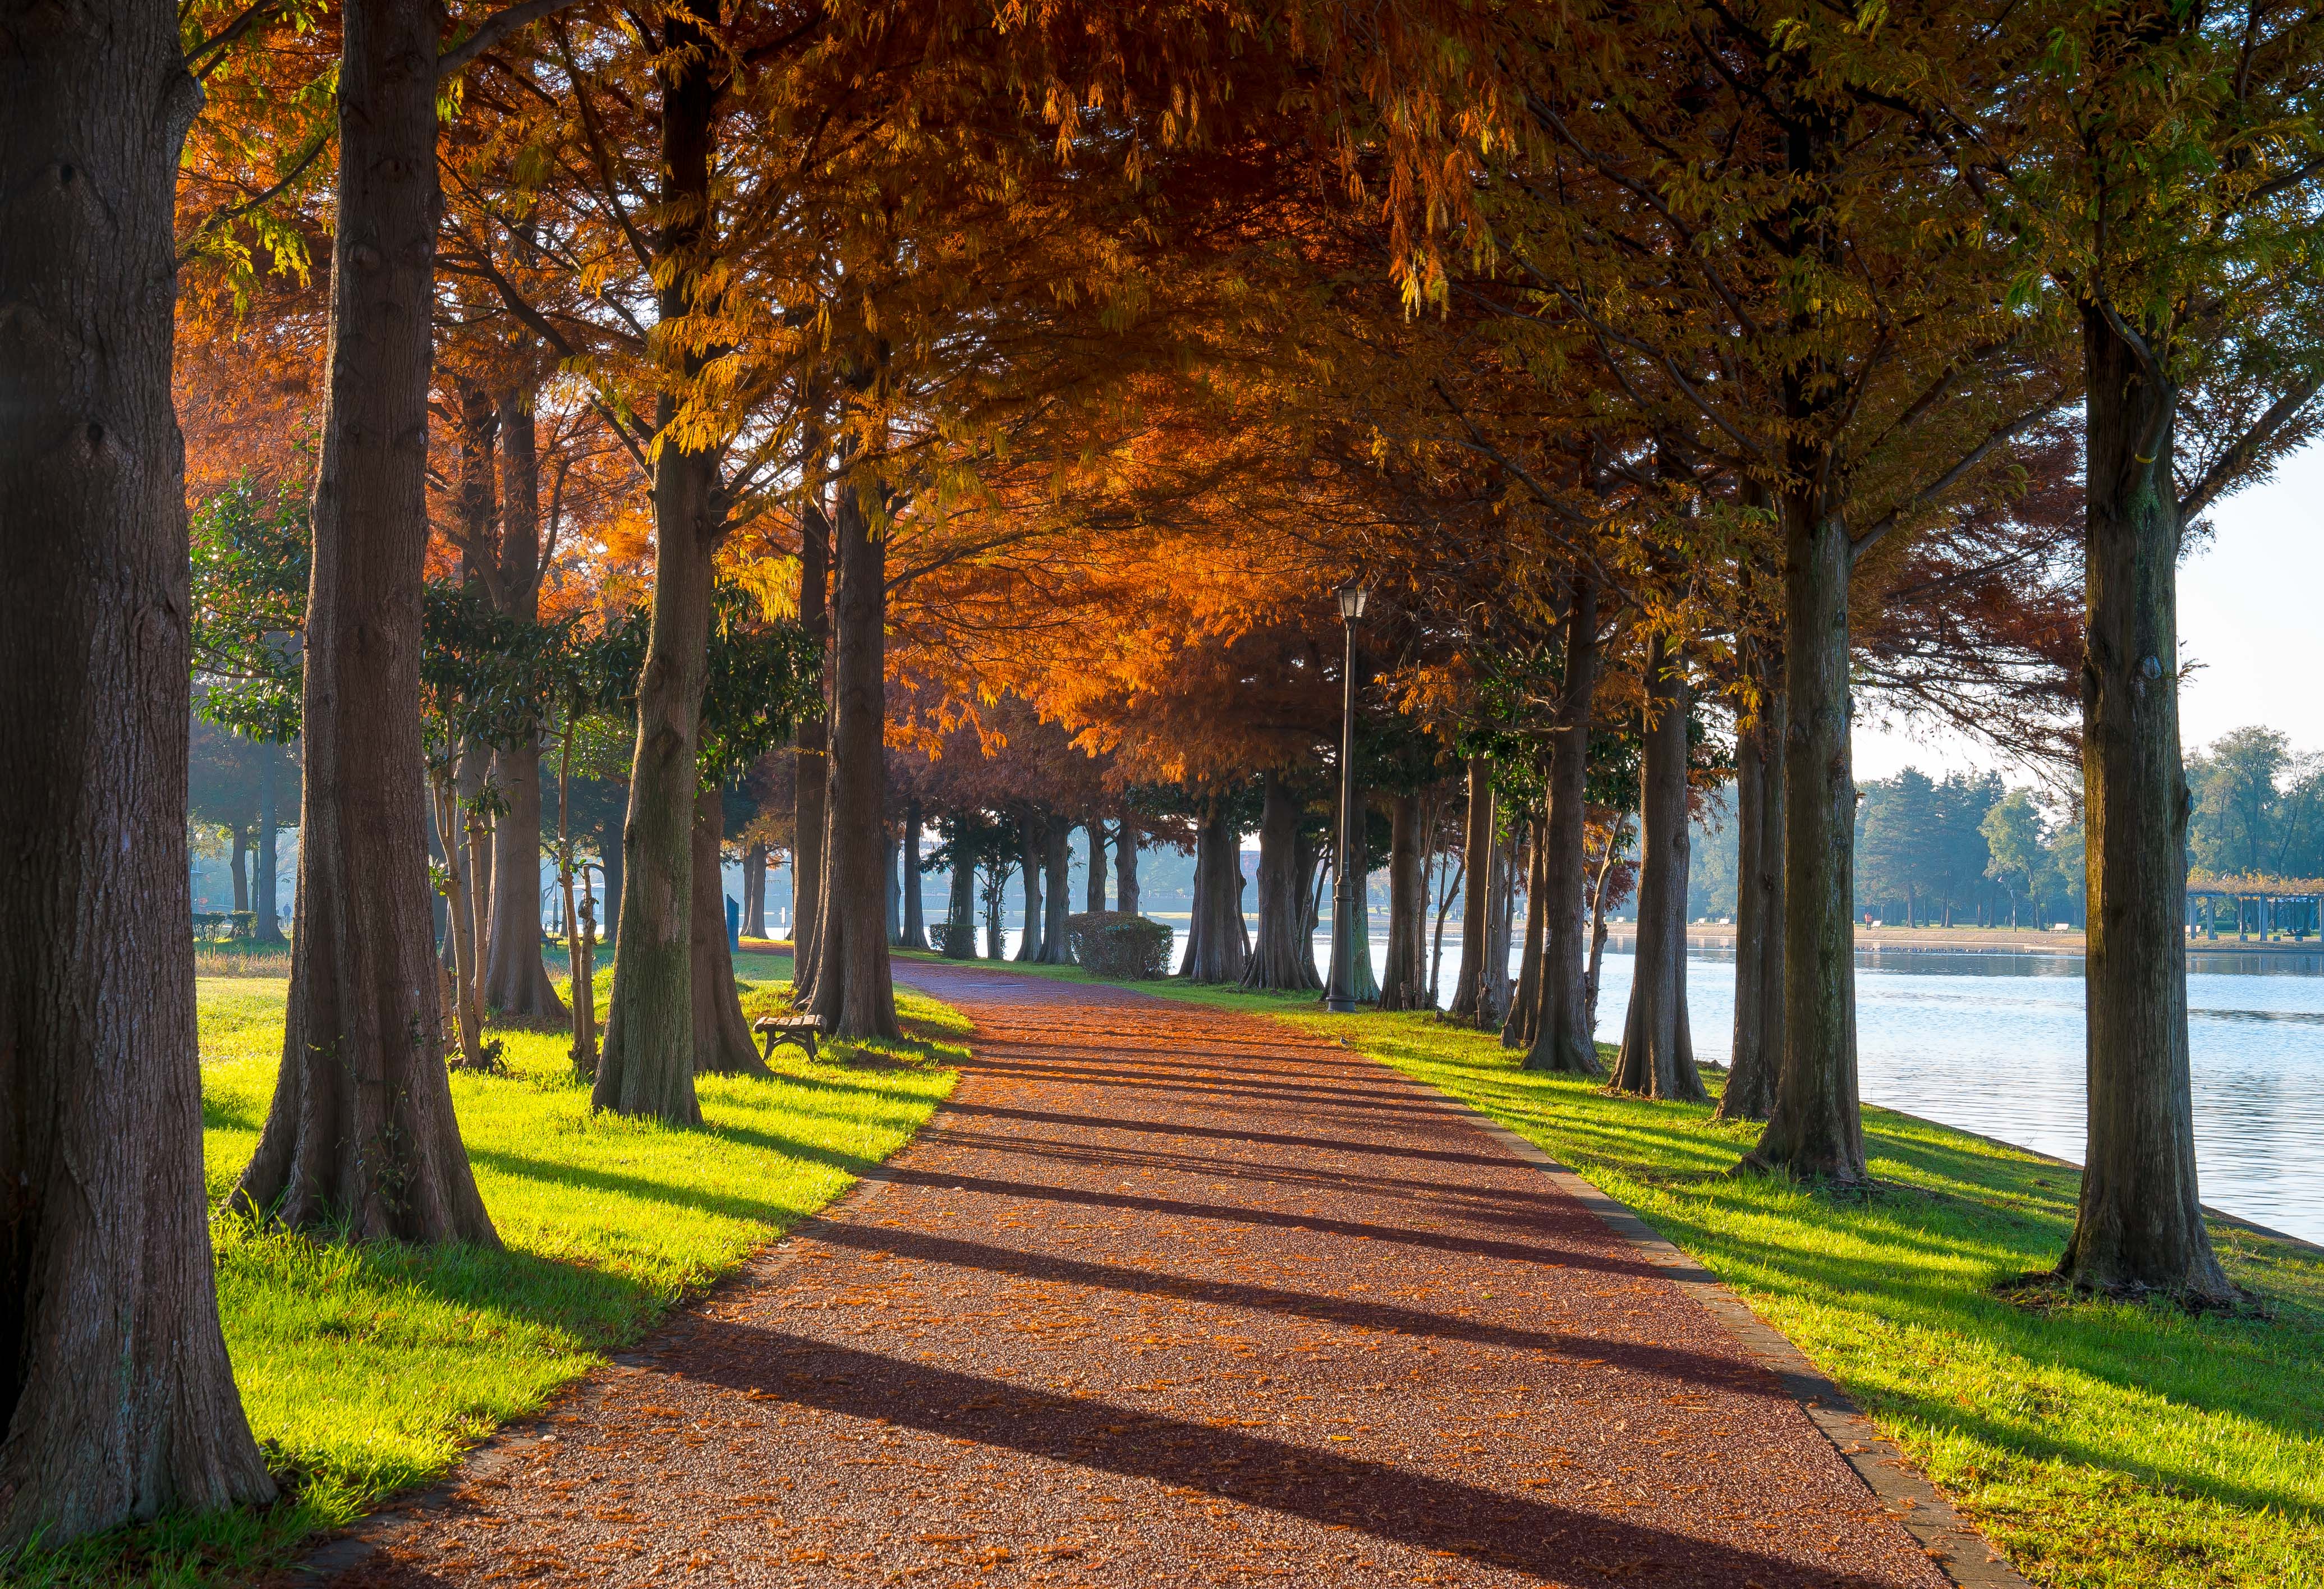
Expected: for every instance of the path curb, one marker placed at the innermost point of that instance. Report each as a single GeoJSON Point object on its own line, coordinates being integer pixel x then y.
{"type": "Point", "coordinates": [1950, 1541]}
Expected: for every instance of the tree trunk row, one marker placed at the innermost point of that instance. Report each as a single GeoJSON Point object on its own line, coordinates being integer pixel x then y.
{"type": "Point", "coordinates": [116, 1399]}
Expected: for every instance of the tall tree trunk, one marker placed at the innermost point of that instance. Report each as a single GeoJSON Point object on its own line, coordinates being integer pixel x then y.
{"type": "Point", "coordinates": [1446, 894]}
{"type": "Point", "coordinates": [1500, 938]}
{"type": "Point", "coordinates": [580, 921]}
{"type": "Point", "coordinates": [996, 904]}
{"type": "Point", "coordinates": [609, 861]}
{"type": "Point", "coordinates": [1404, 979]}
{"type": "Point", "coordinates": [647, 1068]}
{"type": "Point", "coordinates": [1285, 956]}
{"type": "Point", "coordinates": [117, 1400]}
{"type": "Point", "coordinates": [1524, 1024]}
{"type": "Point", "coordinates": [471, 769]}
{"type": "Point", "coordinates": [892, 846]}
{"type": "Point", "coordinates": [1125, 867]}
{"type": "Point", "coordinates": [959, 909]}
{"type": "Point", "coordinates": [2139, 1226]}
{"type": "Point", "coordinates": [754, 889]}
{"type": "Point", "coordinates": [1565, 1038]}
{"type": "Point", "coordinates": [722, 1038]}
{"type": "Point", "coordinates": [460, 929]}
{"type": "Point", "coordinates": [1056, 857]}
{"type": "Point", "coordinates": [266, 924]}
{"type": "Point", "coordinates": [1363, 976]}
{"type": "Point", "coordinates": [1591, 982]}
{"type": "Point", "coordinates": [1750, 1091]}
{"type": "Point", "coordinates": [1216, 943]}
{"type": "Point", "coordinates": [1030, 857]}
{"type": "Point", "coordinates": [242, 839]}
{"type": "Point", "coordinates": [361, 1136]}
{"type": "Point", "coordinates": [1815, 1130]}
{"type": "Point", "coordinates": [814, 776]}
{"type": "Point", "coordinates": [1093, 896]}
{"type": "Point", "coordinates": [916, 924]}
{"type": "Point", "coordinates": [516, 980]}
{"type": "Point", "coordinates": [853, 991]}
{"type": "Point", "coordinates": [1657, 1055]}
{"type": "Point", "coordinates": [1477, 843]}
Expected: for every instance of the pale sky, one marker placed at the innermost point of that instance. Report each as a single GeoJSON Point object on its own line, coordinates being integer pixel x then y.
{"type": "Point", "coordinates": [2249, 609]}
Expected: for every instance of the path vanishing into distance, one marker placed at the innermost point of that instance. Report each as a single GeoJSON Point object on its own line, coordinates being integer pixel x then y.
{"type": "Point", "coordinates": [1167, 1295]}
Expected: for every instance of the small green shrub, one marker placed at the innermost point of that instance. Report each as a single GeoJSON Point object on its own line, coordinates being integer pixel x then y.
{"type": "Point", "coordinates": [954, 940]}
{"type": "Point", "coordinates": [1119, 945]}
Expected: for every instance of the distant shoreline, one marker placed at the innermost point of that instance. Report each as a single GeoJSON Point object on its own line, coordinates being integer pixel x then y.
{"type": "Point", "coordinates": [2024, 940]}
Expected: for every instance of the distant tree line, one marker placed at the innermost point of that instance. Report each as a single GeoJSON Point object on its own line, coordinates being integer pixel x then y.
{"type": "Point", "coordinates": [1965, 849]}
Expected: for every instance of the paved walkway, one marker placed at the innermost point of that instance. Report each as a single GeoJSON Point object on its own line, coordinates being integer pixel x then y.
{"type": "Point", "coordinates": [1172, 1296]}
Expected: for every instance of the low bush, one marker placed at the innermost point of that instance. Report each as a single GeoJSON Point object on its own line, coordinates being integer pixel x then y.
{"type": "Point", "coordinates": [954, 940]}
{"type": "Point", "coordinates": [1120, 944]}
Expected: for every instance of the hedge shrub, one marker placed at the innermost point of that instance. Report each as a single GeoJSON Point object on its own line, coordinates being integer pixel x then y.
{"type": "Point", "coordinates": [1120, 944]}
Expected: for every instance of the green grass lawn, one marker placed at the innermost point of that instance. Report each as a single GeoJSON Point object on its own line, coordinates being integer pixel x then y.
{"type": "Point", "coordinates": [2096, 1444]}
{"type": "Point", "coordinates": [368, 1369]}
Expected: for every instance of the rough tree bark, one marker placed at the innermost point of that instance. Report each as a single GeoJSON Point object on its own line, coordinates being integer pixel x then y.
{"type": "Point", "coordinates": [1057, 860]}
{"type": "Point", "coordinates": [1815, 1130]}
{"type": "Point", "coordinates": [1093, 895]}
{"type": "Point", "coordinates": [1564, 1039]}
{"type": "Point", "coordinates": [647, 1064]}
{"type": "Point", "coordinates": [916, 923]}
{"type": "Point", "coordinates": [1524, 1022]}
{"type": "Point", "coordinates": [117, 1400]}
{"type": "Point", "coordinates": [1284, 958]}
{"type": "Point", "coordinates": [361, 1136]}
{"type": "Point", "coordinates": [1029, 858]}
{"type": "Point", "coordinates": [241, 842]}
{"type": "Point", "coordinates": [1657, 1055]}
{"type": "Point", "coordinates": [853, 991]}
{"type": "Point", "coordinates": [2139, 1225]}
{"type": "Point", "coordinates": [1125, 867]}
{"type": "Point", "coordinates": [1751, 1090]}
{"type": "Point", "coordinates": [1477, 843]}
{"type": "Point", "coordinates": [1404, 978]}
{"type": "Point", "coordinates": [516, 980]}
{"type": "Point", "coordinates": [1217, 946]}
{"type": "Point", "coordinates": [722, 1038]}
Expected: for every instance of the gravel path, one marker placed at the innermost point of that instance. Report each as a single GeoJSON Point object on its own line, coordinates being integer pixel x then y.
{"type": "Point", "coordinates": [1168, 1295]}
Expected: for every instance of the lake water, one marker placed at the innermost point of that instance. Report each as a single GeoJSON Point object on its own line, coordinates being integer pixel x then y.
{"type": "Point", "coordinates": [1992, 1042]}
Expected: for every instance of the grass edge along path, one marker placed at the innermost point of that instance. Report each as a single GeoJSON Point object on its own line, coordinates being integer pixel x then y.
{"type": "Point", "coordinates": [2098, 1445]}
{"type": "Point", "coordinates": [371, 1369]}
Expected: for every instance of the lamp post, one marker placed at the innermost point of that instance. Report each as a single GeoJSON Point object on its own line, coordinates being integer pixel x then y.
{"type": "Point", "coordinates": [1348, 937]}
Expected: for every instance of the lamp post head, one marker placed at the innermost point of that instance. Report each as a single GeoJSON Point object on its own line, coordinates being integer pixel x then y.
{"type": "Point", "coordinates": [1352, 600]}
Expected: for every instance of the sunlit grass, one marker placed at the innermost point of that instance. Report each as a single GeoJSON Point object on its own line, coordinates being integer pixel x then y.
{"type": "Point", "coordinates": [2101, 1445]}
{"type": "Point", "coordinates": [368, 1369]}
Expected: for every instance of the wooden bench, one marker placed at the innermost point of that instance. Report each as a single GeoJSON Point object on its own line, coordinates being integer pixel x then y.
{"type": "Point", "coordinates": [802, 1029]}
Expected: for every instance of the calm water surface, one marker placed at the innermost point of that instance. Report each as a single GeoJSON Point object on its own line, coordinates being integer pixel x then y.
{"type": "Point", "coordinates": [1992, 1042]}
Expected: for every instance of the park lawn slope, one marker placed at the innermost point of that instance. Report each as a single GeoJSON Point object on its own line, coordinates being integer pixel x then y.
{"type": "Point", "coordinates": [366, 1370]}
{"type": "Point", "coordinates": [2099, 1446]}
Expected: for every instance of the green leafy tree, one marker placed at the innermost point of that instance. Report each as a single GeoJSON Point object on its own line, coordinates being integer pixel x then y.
{"type": "Point", "coordinates": [2014, 840]}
